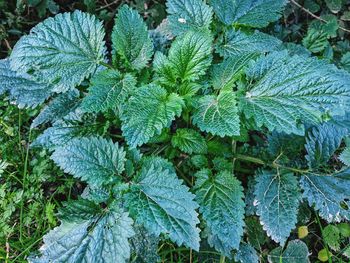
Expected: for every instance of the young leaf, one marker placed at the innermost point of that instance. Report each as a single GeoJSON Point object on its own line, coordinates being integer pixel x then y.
{"type": "Point", "coordinates": [288, 90]}
{"type": "Point", "coordinates": [162, 204]}
{"type": "Point", "coordinates": [331, 236]}
{"type": "Point", "coordinates": [277, 199]}
{"type": "Point", "coordinates": [147, 112]}
{"type": "Point", "coordinates": [322, 141]}
{"type": "Point", "coordinates": [221, 202]}
{"type": "Point", "coordinates": [238, 43]}
{"type": "Point", "coordinates": [63, 50]}
{"type": "Point", "coordinates": [329, 194]}
{"type": "Point", "coordinates": [23, 88]}
{"type": "Point", "coordinates": [315, 40]}
{"type": "Point", "coordinates": [130, 39]}
{"type": "Point", "coordinates": [59, 107]}
{"type": "Point", "coordinates": [186, 15]}
{"type": "Point", "coordinates": [218, 115]}
{"type": "Point", "coordinates": [246, 254]}
{"type": "Point", "coordinates": [252, 13]}
{"type": "Point", "coordinates": [189, 58]}
{"type": "Point", "coordinates": [99, 237]}
{"type": "Point", "coordinates": [225, 73]}
{"type": "Point", "coordinates": [296, 252]}
{"type": "Point", "coordinates": [108, 89]}
{"type": "Point", "coordinates": [93, 159]}
{"type": "Point", "coordinates": [189, 141]}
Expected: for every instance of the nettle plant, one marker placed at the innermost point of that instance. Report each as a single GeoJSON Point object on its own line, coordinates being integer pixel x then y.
{"type": "Point", "coordinates": [197, 124]}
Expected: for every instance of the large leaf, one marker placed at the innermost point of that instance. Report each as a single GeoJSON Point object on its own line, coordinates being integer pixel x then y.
{"type": "Point", "coordinates": [218, 114]}
{"type": "Point", "coordinates": [147, 112]}
{"type": "Point", "coordinates": [221, 202]}
{"type": "Point", "coordinates": [296, 252]}
{"type": "Point", "coordinates": [130, 38]}
{"type": "Point", "coordinates": [189, 58]}
{"type": "Point", "coordinates": [322, 141]}
{"type": "Point", "coordinates": [185, 15]}
{"type": "Point", "coordinates": [329, 194]}
{"type": "Point", "coordinates": [189, 141]}
{"type": "Point", "coordinates": [287, 91]}
{"type": "Point", "coordinates": [162, 204]}
{"type": "Point", "coordinates": [108, 89]}
{"type": "Point", "coordinates": [93, 237]}
{"type": "Point", "coordinates": [63, 50]}
{"type": "Point", "coordinates": [238, 43]}
{"type": "Point", "coordinates": [23, 89]}
{"type": "Point", "coordinates": [93, 159]}
{"type": "Point", "coordinates": [277, 199]}
{"type": "Point", "coordinates": [253, 13]}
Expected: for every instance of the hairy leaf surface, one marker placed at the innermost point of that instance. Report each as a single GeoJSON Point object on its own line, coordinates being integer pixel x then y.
{"type": "Point", "coordinates": [189, 141]}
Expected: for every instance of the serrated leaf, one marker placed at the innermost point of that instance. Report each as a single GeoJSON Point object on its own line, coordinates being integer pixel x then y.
{"type": "Point", "coordinates": [329, 194]}
{"type": "Point", "coordinates": [277, 197]}
{"type": "Point", "coordinates": [63, 50]}
{"type": "Point", "coordinates": [93, 159]}
{"type": "Point", "coordinates": [331, 236]}
{"type": "Point", "coordinates": [95, 238]}
{"type": "Point", "coordinates": [334, 5]}
{"type": "Point", "coordinates": [315, 40]}
{"type": "Point", "coordinates": [23, 88]}
{"type": "Point", "coordinates": [78, 210]}
{"type": "Point", "coordinates": [189, 141]}
{"type": "Point", "coordinates": [147, 112]}
{"type": "Point", "coordinates": [255, 233]}
{"type": "Point", "coordinates": [186, 15]}
{"type": "Point", "coordinates": [225, 73]}
{"type": "Point", "coordinates": [345, 61]}
{"type": "Point", "coordinates": [252, 13]}
{"type": "Point", "coordinates": [189, 57]}
{"type": "Point", "coordinates": [246, 254]}
{"type": "Point", "coordinates": [321, 143]}
{"type": "Point", "coordinates": [221, 203]}
{"type": "Point", "coordinates": [144, 246]}
{"type": "Point", "coordinates": [108, 89]}
{"type": "Point", "coordinates": [162, 204]}
{"type": "Point", "coordinates": [345, 156]}
{"type": "Point", "coordinates": [217, 114]}
{"type": "Point", "coordinates": [59, 107]}
{"type": "Point", "coordinates": [287, 91]}
{"type": "Point", "coordinates": [237, 43]}
{"type": "Point", "coordinates": [296, 252]}
{"type": "Point", "coordinates": [130, 38]}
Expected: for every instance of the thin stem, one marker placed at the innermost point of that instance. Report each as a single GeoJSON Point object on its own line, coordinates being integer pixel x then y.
{"type": "Point", "coordinates": [105, 65]}
{"type": "Point", "coordinates": [222, 259]}
{"type": "Point", "coordinates": [324, 243]}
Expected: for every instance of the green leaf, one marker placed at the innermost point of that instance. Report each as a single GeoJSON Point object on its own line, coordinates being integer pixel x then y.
{"type": "Point", "coordinates": [108, 89]}
{"type": "Point", "coordinates": [345, 156]}
{"type": "Point", "coordinates": [296, 252]}
{"type": "Point", "coordinates": [224, 74]}
{"type": "Point", "coordinates": [329, 194]}
{"type": "Point", "coordinates": [315, 40]}
{"type": "Point", "coordinates": [147, 112]}
{"type": "Point", "coordinates": [246, 254]}
{"type": "Point", "coordinates": [236, 43]}
{"type": "Point", "coordinates": [217, 115]}
{"type": "Point", "coordinates": [334, 5]}
{"type": "Point", "coordinates": [252, 13]}
{"type": "Point", "coordinates": [189, 58]}
{"type": "Point", "coordinates": [331, 236]}
{"type": "Point", "coordinates": [58, 108]}
{"type": "Point", "coordinates": [130, 39]}
{"type": "Point", "coordinates": [277, 199]}
{"type": "Point", "coordinates": [63, 50]}
{"type": "Point", "coordinates": [79, 210]}
{"type": "Point", "coordinates": [23, 88]}
{"type": "Point", "coordinates": [321, 143]}
{"type": "Point", "coordinates": [287, 91]}
{"type": "Point", "coordinates": [145, 246]}
{"type": "Point", "coordinates": [93, 159]}
{"type": "Point", "coordinates": [189, 141]}
{"type": "Point", "coordinates": [99, 237]}
{"type": "Point", "coordinates": [162, 204]}
{"type": "Point", "coordinates": [221, 203]}
{"type": "Point", "coordinates": [345, 61]}
{"type": "Point", "coordinates": [186, 15]}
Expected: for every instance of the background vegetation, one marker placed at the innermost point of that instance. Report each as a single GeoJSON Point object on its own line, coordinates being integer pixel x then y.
{"type": "Point", "coordinates": [32, 188]}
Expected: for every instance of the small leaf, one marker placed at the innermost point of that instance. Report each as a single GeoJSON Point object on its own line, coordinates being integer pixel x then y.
{"type": "Point", "coordinates": [108, 89]}
{"type": "Point", "coordinates": [63, 50]}
{"type": "Point", "coordinates": [130, 38]}
{"type": "Point", "coordinates": [331, 236]}
{"type": "Point", "coordinates": [189, 141]}
{"type": "Point", "coordinates": [188, 15]}
{"type": "Point", "coordinates": [93, 159]}
{"type": "Point", "coordinates": [246, 254]}
{"type": "Point", "coordinates": [315, 40]}
{"type": "Point", "coordinates": [296, 252]}
{"type": "Point", "coordinates": [217, 115]}
{"type": "Point", "coordinates": [162, 204]}
{"type": "Point", "coordinates": [147, 112]}
{"type": "Point", "coordinates": [221, 202]}
{"type": "Point", "coordinates": [277, 199]}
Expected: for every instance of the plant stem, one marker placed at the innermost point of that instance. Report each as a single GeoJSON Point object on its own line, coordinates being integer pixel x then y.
{"type": "Point", "coordinates": [105, 64]}
{"type": "Point", "coordinates": [222, 259]}
{"type": "Point", "coordinates": [324, 243]}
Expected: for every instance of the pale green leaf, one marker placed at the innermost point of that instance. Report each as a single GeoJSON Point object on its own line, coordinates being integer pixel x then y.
{"type": "Point", "coordinates": [63, 50]}
{"type": "Point", "coordinates": [296, 252]}
{"type": "Point", "coordinates": [331, 236]}
{"type": "Point", "coordinates": [189, 141]}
